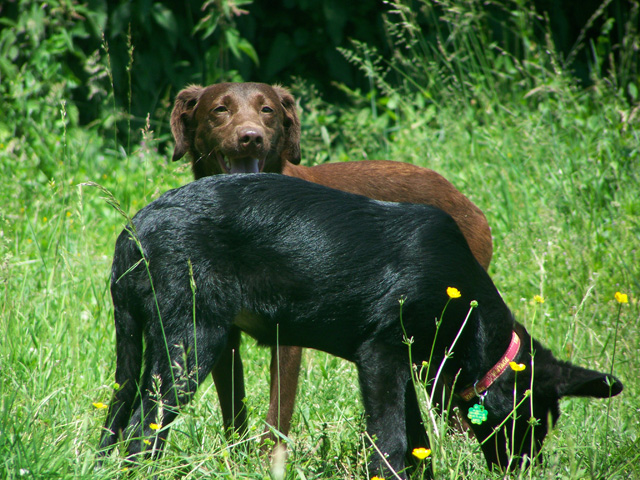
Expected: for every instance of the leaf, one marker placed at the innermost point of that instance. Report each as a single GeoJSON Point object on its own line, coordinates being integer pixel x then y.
{"type": "Point", "coordinates": [245, 46]}
{"type": "Point", "coordinates": [232, 37]}
{"type": "Point", "coordinates": [207, 25]}
{"type": "Point", "coordinates": [164, 17]}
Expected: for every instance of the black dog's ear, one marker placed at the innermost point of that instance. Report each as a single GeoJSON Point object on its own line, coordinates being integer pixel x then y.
{"type": "Point", "coordinates": [556, 379]}
{"type": "Point", "coordinates": [291, 151]}
{"type": "Point", "coordinates": [582, 382]}
{"type": "Point", "coordinates": [183, 107]}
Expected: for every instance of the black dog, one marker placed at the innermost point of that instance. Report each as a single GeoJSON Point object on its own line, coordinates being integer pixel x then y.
{"type": "Point", "coordinates": [294, 263]}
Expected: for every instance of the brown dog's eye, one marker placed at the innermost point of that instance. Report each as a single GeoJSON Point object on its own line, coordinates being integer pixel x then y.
{"type": "Point", "coordinates": [267, 109]}
{"type": "Point", "coordinates": [221, 109]}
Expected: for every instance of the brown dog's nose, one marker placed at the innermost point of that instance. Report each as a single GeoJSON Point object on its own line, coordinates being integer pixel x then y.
{"type": "Point", "coordinates": [250, 136]}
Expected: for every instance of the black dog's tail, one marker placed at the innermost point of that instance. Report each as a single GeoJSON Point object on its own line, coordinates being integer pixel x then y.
{"type": "Point", "coordinates": [130, 324]}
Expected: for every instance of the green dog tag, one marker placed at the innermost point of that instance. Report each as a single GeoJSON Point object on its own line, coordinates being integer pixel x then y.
{"type": "Point", "coordinates": [477, 414]}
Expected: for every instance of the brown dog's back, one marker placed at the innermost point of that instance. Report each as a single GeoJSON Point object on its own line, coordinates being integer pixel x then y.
{"type": "Point", "coordinates": [403, 182]}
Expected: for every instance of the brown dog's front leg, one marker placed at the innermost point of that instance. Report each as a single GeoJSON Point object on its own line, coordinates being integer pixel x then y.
{"type": "Point", "coordinates": [285, 370]}
{"type": "Point", "coordinates": [229, 379]}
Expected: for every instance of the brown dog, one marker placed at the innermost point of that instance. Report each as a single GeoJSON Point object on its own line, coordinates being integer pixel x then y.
{"type": "Point", "coordinates": [253, 127]}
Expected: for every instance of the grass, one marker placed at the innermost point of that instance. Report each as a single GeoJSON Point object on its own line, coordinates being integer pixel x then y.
{"type": "Point", "coordinates": [556, 169]}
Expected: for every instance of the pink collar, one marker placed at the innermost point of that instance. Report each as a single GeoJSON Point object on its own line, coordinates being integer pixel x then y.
{"type": "Point", "coordinates": [497, 370]}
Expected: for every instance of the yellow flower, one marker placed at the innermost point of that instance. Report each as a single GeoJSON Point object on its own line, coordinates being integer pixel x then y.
{"type": "Point", "coordinates": [377, 478]}
{"type": "Point", "coordinates": [517, 367]}
{"type": "Point", "coordinates": [44, 219]}
{"type": "Point", "coordinates": [622, 297]}
{"type": "Point", "coordinates": [99, 405]}
{"type": "Point", "coordinates": [147, 442]}
{"type": "Point", "coordinates": [155, 426]}
{"type": "Point", "coordinates": [538, 299]}
{"type": "Point", "coordinates": [453, 292]}
{"type": "Point", "coordinates": [421, 453]}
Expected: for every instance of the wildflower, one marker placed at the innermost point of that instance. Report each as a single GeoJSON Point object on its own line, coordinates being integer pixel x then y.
{"type": "Point", "coordinates": [44, 219]}
{"type": "Point", "coordinates": [517, 367]}
{"type": "Point", "coordinates": [421, 453]}
{"type": "Point", "coordinates": [99, 405]}
{"type": "Point", "coordinates": [538, 299]}
{"type": "Point", "coordinates": [68, 214]}
{"type": "Point", "coordinates": [621, 297]}
{"type": "Point", "coordinates": [147, 442]}
{"type": "Point", "coordinates": [377, 478]}
{"type": "Point", "coordinates": [155, 426]}
{"type": "Point", "coordinates": [453, 292]}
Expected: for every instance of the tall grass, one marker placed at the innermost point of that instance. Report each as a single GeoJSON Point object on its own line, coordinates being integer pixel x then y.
{"type": "Point", "coordinates": [554, 166]}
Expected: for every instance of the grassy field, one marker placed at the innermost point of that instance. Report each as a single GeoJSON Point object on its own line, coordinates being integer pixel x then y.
{"type": "Point", "coordinates": [555, 167]}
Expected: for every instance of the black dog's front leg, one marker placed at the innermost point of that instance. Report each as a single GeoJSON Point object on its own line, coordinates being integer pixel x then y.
{"type": "Point", "coordinates": [383, 382]}
{"type": "Point", "coordinates": [416, 433]}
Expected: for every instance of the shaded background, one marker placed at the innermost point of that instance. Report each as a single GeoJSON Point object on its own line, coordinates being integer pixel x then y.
{"type": "Point", "coordinates": [142, 52]}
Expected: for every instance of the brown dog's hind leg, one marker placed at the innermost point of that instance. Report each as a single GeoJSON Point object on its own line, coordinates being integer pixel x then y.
{"type": "Point", "coordinates": [285, 370]}
{"type": "Point", "coordinates": [228, 377]}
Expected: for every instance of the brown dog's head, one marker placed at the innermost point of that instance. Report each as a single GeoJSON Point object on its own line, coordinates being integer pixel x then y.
{"type": "Point", "coordinates": [236, 128]}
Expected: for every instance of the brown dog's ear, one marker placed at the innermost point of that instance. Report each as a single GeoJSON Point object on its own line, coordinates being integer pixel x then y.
{"type": "Point", "coordinates": [185, 102]}
{"type": "Point", "coordinates": [291, 150]}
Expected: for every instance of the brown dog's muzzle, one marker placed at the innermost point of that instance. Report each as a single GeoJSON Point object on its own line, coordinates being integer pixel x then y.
{"type": "Point", "coordinates": [250, 142]}
{"type": "Point", "coordinates": [243, 151]}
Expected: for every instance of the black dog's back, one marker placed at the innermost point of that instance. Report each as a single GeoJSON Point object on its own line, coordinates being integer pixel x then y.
{"type": "Point", "coordinates": [267, 258]}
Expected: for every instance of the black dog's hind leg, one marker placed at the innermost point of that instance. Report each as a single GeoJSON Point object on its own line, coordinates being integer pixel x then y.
{"type": "Point", "coordinates": [383, 381]}
{"type": "Point", "coordinates": [129, 366]}
{"type": "Point", "coordinates": [228, 377]}
{"type": "Point", "coordinates": [173, 373]}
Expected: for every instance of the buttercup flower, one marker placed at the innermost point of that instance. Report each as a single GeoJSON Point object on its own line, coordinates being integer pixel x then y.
{"type": "Point", "coordinates": [421, 453]}
{"type": "Point", "coordinates": [621, 297]}
{"type": "Point", "coordinates": [453, 292]}
{"type": "Point", "coordinates": [517, 367]}
{"type": "Point", "coordinates": [538, 299]}
{"type": "Point", "coordinates": [99, 405]}
{"type": "Point", "coordinates": [377, 478]}
{"type": "Point", "coordinates": [155, 426]}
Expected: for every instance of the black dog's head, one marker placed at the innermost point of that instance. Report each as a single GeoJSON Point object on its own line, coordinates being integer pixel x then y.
{"type": "Point", "coordinates": [523, 405]}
